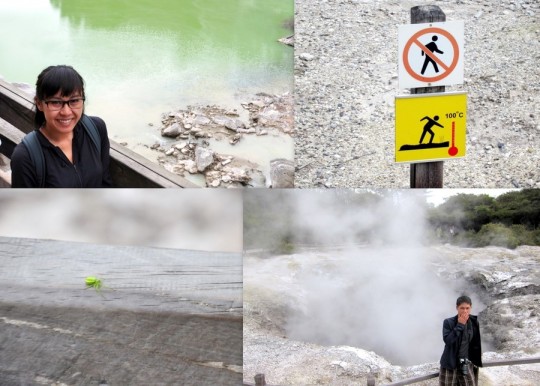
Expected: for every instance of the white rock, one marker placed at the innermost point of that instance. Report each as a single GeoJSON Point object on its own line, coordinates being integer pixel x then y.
{"type": "Point", "coordinates": [307, 57]}
{"type": "Point", "coordinates": [282, 173]}
{"type": "Point", "coordinates": [172, 131]}
{"type": "Point", "coordinates": [181, 145]}
{"type": "Point", "coordinates": [203, 158]}
{"type": "Point", "coordinates": [189, 165]}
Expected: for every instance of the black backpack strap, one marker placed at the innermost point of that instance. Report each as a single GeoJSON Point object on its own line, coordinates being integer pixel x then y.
{"type": "Point", "coordinates": [92, 131]}
{"type": "Point", "coordinates": [33, 146]}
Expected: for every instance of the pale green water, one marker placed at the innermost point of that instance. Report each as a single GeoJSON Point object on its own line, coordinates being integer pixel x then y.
{"type": "Point", "coordinates": [141, 58]}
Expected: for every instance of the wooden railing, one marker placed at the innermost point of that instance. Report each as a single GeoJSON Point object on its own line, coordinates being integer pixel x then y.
{"type": "Point", "coordinates": [504, 362]}
{"type": "Point", "coordinates": [260, 378]}
{"type": "Point", "coordinates": [128, 169]}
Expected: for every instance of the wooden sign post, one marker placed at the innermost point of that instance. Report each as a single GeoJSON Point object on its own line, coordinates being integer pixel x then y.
{"type": "Point", "coordinates": [427, 174]}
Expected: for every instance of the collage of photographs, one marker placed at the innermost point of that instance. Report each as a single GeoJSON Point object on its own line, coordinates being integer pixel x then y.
{"type": "Point", "coordinates": [296, 192]}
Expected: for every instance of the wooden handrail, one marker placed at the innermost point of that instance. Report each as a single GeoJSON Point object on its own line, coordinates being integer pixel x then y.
{"type": "Point", "coordinates": [410, 381]}
{"type": "Point", "coordinates": [504, 362]}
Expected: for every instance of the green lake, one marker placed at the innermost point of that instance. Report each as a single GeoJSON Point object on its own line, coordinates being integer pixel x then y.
{"type": "Point", "coordinates": [143, 58]}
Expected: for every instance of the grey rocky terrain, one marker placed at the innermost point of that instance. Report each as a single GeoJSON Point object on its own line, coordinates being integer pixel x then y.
{"type": "Point", "coordinates": [346, 80]}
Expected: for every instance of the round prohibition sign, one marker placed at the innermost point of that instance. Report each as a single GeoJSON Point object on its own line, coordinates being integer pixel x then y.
{"type": "Point", "coordinates": [414, 40]}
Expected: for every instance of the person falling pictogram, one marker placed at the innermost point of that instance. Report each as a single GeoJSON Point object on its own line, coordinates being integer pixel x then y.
{"type": "Point", "coordinates": [427, 127]}
{"type": "Point", "coordinates": [432, 46]}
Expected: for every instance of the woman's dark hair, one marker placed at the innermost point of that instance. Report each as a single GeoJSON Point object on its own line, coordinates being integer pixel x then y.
{"type": "Point", "coordinates": [463, 299]}
{"type": "Point", "coordinates": [54, 79]}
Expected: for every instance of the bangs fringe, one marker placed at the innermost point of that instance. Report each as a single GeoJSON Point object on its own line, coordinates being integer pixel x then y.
{"type": "Point", "coordinates": [59, 78]}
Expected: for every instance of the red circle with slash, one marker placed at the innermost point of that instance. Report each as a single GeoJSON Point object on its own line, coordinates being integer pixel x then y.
{"type": "Point", "coordinates": [414, 40]}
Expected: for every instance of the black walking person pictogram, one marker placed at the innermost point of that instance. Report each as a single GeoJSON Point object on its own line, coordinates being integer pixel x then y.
{"type": "Point", "coordinates": [432, 46]}
{"type": "Point", "coordinates": [427, 127]}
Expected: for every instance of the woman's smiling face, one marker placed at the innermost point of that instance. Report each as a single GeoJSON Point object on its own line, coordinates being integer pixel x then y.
{"type": "Point", "coordinates": [61, 121]}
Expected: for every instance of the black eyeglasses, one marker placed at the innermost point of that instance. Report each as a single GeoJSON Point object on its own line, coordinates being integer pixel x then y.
{"type": "Point", "coordinates": [56, 104]}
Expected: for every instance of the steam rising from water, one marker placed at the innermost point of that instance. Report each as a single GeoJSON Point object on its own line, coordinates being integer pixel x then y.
{"type": "Point", "coordinates": [381, 296]}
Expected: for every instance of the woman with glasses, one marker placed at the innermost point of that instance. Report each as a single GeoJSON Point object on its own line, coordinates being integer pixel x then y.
{"type": "Point", "coordinates": [67, 149]}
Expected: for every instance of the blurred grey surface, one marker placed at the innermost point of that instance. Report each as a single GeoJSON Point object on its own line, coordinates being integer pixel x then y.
{"type": "Point", "coordinates": [49, 272]}
{"type": "Point", "coordinates": [200, 219]}
{"type": "Point", "coordinates": [164, 316]}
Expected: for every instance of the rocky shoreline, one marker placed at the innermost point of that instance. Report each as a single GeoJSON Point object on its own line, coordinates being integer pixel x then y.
{"type": "Point", "coordinates": [193, 129]}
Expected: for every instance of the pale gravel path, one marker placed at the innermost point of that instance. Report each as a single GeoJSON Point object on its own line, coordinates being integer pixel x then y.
{"type": "Point", "coordinates": [346, 81]}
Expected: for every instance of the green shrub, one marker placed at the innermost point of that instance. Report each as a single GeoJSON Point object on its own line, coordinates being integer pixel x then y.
{"type": "Point", "coordinates": [522, 235]}
{"type": "Point", "coordinates": [535, 237]}
{"type": "Point", "coordinates": [466, 239]}
{"type": "Point", "coordinates": [497, 235]}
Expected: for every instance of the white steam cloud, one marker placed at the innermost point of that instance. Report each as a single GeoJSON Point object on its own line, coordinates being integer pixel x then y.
{"type": "Point", "coordinates": [382, 295]}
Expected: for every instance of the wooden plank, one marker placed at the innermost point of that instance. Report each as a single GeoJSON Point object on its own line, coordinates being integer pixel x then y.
{"type": "Point", "coordinates": [128, 169]}
{"type": "Point", "coordinates": [5, 176]}
{"type": "Point", "coordinates": [16, 107]}
{"type": "Point", "coordinates": [411, 381]}
{"type": "Point", "coordinates": [427, 175]}
{"type": "Point", "coordinates": [512, 362]}
{"type": "Point", "coordinates": [10, 136]}
{"type": "Point", "coordinates": [503, 362]}
{"type": "Point", "coordinates": [260, 380]}
{"type": "Point", "coordinates": [5, 179]}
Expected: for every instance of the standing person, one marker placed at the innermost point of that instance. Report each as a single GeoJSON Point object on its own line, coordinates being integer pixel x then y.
{"type": "Point", "coordinates": [462, 353]}
{"type": "Point", "coordinates": [67, 149]}
{"type": "Point", "coordinates": [432, 46]}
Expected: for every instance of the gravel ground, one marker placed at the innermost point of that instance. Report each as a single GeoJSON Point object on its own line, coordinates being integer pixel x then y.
{"type": "Point", "coordinates": [346, 80]}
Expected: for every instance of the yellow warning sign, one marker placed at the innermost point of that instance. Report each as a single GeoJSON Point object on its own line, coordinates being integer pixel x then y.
{"type": "Point", "coordinates": [430, 127]}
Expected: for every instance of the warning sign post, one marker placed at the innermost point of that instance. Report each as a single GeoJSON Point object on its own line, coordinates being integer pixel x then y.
{"type": "Point", "coordinates": [430, 127]}
{"type": "Point", "coordinates": [431, 54]}
{"type": "Point", "coordinates": [430, 124]}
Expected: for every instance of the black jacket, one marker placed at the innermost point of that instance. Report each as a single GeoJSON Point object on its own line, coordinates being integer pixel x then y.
{"type": "Point", "coordinates": [88, 169]}
{"type": "Point", "coordinates": [452, 334]}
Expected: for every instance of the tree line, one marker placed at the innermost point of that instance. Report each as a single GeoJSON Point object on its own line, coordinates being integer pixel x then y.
{"type": "Point", "coordinates": [509, 220]}
{"type": "Point", "coordinates": [272, 222]}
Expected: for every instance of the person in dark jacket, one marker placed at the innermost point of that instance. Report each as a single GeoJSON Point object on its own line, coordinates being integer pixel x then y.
{"type": "Point", "coordinates": [462, 355]}
{"type": "Point", "coordinates": [72, 158]}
